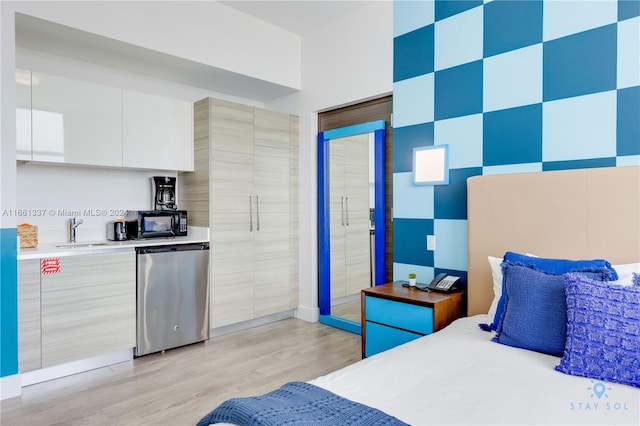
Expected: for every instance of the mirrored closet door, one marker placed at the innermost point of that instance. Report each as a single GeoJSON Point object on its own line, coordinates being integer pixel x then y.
{"type": "Point", "coordinates": [351, 219]}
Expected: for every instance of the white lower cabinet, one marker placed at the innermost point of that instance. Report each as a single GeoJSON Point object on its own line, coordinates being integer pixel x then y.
{"type": "Point", "coordinates": [88, 307]}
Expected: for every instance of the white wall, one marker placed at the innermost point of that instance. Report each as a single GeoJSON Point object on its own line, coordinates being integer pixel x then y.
{"type": "Point", "coordinates": [66, 67]}
{"type": "Point", "coordinates": [7, 116]}
{"type": "Point", "coordinates": [206, 32]}
{"type": "Point", "coordinates": [349, 60]}
{"type": "Point", "coordinates": [61, 192]}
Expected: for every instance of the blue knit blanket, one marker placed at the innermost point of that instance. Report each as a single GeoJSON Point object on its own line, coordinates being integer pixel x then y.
{"type": "Point", "coordinates": [297, 403]}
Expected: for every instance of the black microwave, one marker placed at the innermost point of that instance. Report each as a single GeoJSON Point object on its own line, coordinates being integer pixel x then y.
{"type": "Point", "coordinates": [156, 223]}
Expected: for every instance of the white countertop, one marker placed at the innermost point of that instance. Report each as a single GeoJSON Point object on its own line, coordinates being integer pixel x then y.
{"type": "Point", "coordinates": [52, 249]}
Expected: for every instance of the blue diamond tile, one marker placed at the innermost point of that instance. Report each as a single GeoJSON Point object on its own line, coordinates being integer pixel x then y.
{"type": "Point", "coordinates": [409, 16]}
{"type": "Point", "coordinates": [413, 53]}
{"type": "Point", "coordinates": [409, 241]}
{"type": "Point", "coordinates": [579, 164]}
{"type": "Point", "coordinates": [580, 64]}
{"type": "Point", "coordinates": [450, 201]}
{"type": "Point", "coordinates": [446, 8]}
{"type": "Point", "coordinates": [407, 138]}
{"type": "Point", "coordinates": [513, 136]}
{"type": "Point", "coordinates": [510, 25]}
{"type": "Point", "coordinates": [628, 121]}
{"type": "Point", "coordinates": [458, 91]}
{"type": "Point", "coordinates": [452, 238]}
{"type": "Point", "coordinates": [413, 100]}
{"type": "Point", "coordinates": [628, 9]}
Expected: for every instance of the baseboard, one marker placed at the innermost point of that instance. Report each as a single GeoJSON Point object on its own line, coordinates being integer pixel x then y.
{"type": "Point", "coordinates": [232, 328]}
{"type": "Point", "coordinates": [308, 314]}
{"type": "Point", "coordinates": [10, 386]}
{"type": "Point", "coordinates": [62, 370]}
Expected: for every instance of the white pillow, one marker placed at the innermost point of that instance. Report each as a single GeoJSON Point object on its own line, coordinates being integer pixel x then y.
{"type": "Point", "coordinates": [625, 273]}
{"type": "Point", "coordinates": [496, 273]}
{"type": "Point", "coordinates": [625, 277]}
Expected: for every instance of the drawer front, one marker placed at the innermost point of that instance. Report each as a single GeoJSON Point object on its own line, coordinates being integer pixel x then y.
{"type": "Point", "coordinates": [380, 338]}
{"type": "Point", "coordinates": [418, 319]}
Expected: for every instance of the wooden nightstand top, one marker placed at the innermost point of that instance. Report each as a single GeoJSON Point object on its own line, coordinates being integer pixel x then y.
{"type": "Point", "coordinates": [395, 291]}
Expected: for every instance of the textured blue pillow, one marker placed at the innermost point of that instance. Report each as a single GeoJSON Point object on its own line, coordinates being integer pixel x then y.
{"type": "Point", "coordinates": [603, 331]}
{"type": "Point", "coordinates": [552, 266]}
{"type": "Point", "coordinates": [535, 316]}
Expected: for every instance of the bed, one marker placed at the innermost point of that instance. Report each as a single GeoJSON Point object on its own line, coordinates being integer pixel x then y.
{"type": "Point", "coordinates": [459, 375]}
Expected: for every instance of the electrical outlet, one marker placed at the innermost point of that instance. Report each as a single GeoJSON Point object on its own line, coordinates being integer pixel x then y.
{"type": "Point", "coordinates": [431, 242]}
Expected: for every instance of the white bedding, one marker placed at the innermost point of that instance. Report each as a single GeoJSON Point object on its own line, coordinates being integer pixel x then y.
{"type": "Point", "coordinates": [458, 376]}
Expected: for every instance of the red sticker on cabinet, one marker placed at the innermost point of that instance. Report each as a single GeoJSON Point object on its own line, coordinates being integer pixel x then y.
{"type": "Point", "coordinates": [50, 265]}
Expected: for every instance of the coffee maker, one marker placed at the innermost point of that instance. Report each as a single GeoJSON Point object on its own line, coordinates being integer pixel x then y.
{"type": "Point", "coordinates": [163, 189]}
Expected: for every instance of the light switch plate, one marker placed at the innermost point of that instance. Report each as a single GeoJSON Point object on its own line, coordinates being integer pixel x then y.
{"type": "Point", "coordinates": [431, 242]}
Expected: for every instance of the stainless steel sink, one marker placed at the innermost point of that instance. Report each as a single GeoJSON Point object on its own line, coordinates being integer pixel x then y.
{"type": "Point", "coordinates": [80, 245]}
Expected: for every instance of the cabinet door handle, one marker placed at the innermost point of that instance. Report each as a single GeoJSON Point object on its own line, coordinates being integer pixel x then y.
{"type": "Point", "coordinates": [250, 213]}
{"type": "Point", "coordinates": [347, 211]}
{"type": "Point", "coordinates": [257, 213]}
{"type": "Point", "coordinates": [342, 209]}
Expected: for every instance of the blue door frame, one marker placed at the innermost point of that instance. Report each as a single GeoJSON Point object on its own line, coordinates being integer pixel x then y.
{"type": "Point", "coordinates": [324, 248]}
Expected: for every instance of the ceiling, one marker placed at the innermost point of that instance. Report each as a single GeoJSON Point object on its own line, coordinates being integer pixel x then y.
{"type": "Point", "coordinates": [299, 17]}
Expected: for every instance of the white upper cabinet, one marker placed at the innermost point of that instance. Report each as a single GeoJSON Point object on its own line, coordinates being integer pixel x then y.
{"type": "Point", "coordinates": [23, 115]}
{"type": "Point", "coordinates": [157, 132]}
{"type": "Point", "coordinates": [61, 120]}
{"type": "Point", "coordinates": [75, 122]}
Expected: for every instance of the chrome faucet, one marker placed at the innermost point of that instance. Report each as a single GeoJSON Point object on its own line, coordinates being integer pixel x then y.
{"type": "Point", "coordinates": [73, 224]}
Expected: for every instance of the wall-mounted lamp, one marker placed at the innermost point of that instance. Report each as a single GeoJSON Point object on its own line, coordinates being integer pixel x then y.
{"type": "Point", "coordinates": [431, 165]}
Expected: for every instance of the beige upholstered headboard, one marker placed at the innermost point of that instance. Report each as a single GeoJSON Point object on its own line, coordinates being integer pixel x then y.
{"type": "Point", "coordinates": [573, 214]}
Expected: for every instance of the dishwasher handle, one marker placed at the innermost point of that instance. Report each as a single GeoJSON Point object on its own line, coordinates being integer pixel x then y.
{"type": "Point", "coordinates": [172, 248]}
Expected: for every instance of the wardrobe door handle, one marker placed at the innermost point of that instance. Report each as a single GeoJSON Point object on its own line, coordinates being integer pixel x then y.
{"type": "Point", "coordinates": [342, 209]}
{"type": "Point", "coordinates": [257, 213]}
{"type": "Point", "coordinates": [250, 213]}
{"type": "Point", "coordinates": [347, 211]}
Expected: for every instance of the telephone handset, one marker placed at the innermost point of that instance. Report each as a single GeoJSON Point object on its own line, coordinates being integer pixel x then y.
{"type": "Point", "coordinates": [444, 283]}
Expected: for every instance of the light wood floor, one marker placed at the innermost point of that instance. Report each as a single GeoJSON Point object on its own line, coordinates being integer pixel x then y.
{"type": "Point", "coordinates": [182, 385]}
{"type": "Point", "coordinates": [349, 310]}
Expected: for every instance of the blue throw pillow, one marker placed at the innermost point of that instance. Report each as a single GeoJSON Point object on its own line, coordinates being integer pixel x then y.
{"type": "Point", "coordinates": [552, 266]}
{"type": "Point", "coordinates": [535, 315]}
{"type": "Point", "coordinates": [603, 331]}
{"type": "Point", "coordinates": [560, 266]}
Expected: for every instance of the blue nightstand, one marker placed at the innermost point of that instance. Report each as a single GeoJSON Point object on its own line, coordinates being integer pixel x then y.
{"type": "Point", "coordinates": [393, 315]}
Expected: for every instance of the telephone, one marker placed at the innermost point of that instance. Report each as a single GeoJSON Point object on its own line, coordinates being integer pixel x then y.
{"type": "Point", "coordinates": [444, 283]}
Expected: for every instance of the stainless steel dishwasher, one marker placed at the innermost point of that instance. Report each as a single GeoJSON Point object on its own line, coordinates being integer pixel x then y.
{"type": "Point", "coordinates": [172, 296]}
